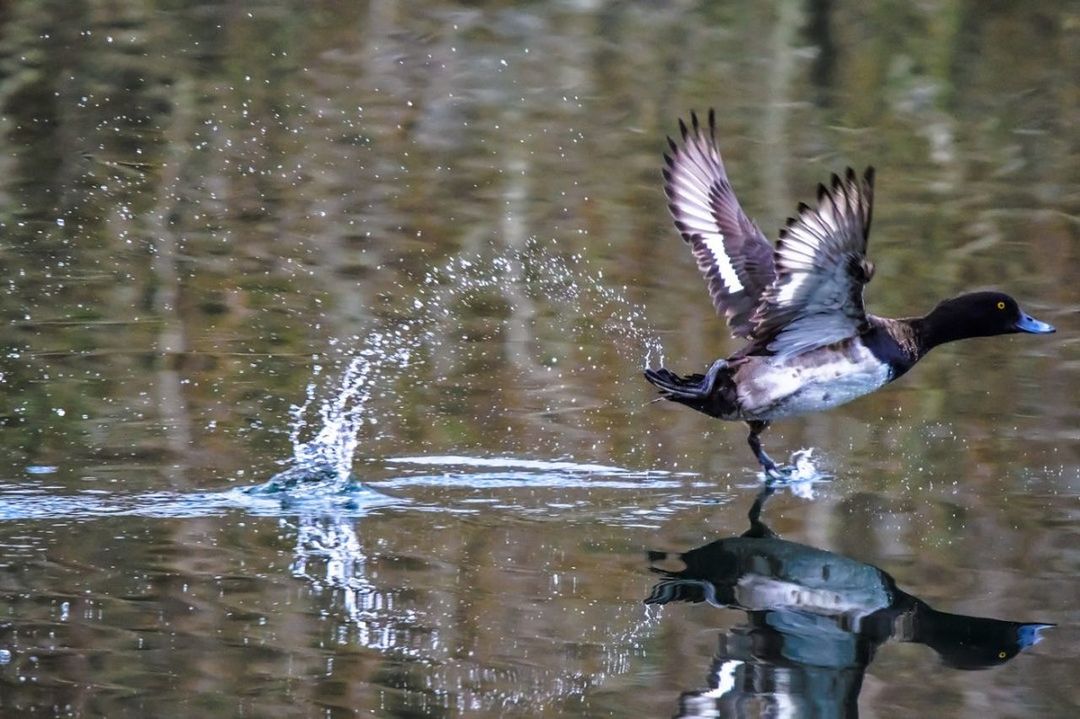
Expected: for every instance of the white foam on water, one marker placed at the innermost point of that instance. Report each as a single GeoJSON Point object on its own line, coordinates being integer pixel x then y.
{"type": "Point", "coordinates": [512, 463]}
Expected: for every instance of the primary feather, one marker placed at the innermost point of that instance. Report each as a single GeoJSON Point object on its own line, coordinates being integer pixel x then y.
{"type": "Point", "coordinates": [821, 269]}
{"type": "Point", "coordinates": [731, 252]}
{"type": "Point", "coordinates": [805, 294]}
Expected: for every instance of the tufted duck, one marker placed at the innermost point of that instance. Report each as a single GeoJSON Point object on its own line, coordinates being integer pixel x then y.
{"type": "Point", "coordinates": [810, 343]}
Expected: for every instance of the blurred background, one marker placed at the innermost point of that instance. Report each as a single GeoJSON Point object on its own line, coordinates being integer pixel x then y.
{"type": "Point", "coordinates": [207, 207]}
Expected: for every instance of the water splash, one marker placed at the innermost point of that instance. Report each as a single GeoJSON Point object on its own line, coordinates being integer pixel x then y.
{"type": "Point", "coordinates": [325, 445]}
{"type": "Point", "coordinates": [801, 476]}
{"type": "Point", "coordinates": [325, 460]}
{"type": "Point", "coordinates": [571, 280]}
{"type": "Point", "coordinates": [511, 472]}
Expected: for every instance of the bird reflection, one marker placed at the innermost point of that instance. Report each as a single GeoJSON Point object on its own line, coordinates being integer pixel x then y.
{"type": "Point", "coordinates": [814, 620]}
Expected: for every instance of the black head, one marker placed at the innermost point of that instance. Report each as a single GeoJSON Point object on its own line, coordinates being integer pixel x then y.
{"type": "Point", "coordinates": [979, 314]}
{"type": "Point", "coordinates": [966, 642]}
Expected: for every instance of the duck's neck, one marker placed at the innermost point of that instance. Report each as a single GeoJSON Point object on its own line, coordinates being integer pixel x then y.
{"type": "Point", "coordinates": [947, 322]}
{"type": "Point", "coordinates": [901, 343]}
{"type": "Point", "coordinates": [929, 334]}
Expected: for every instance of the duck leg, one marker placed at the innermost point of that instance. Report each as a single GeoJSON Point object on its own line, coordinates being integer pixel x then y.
{"type": "Point", "coordinates": [758, 528]}
{"type": "Point", "coordinates": [756, 428]}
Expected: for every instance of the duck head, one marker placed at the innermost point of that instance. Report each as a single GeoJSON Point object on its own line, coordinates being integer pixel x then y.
{"type": "Point", "coordinates": [978, 314]}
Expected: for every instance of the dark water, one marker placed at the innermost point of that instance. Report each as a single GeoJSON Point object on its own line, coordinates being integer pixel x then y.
{"type": "Point", "coordinates": [442, 227]}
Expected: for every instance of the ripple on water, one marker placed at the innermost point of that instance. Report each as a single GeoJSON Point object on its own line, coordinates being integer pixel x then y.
{"type": "Point", "coordinates": [352, 502]}
{"type": "Point", "coordinates": [511, 472]}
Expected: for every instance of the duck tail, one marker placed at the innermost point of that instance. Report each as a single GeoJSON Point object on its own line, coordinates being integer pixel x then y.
{"type": "Point", "coordinates": [672, 386]}
{"type": "Point", "coordinates": [711, 393]}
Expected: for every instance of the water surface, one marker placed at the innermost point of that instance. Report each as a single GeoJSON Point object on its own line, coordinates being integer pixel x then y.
{"type": "Point", "coordinates": [426, 249]}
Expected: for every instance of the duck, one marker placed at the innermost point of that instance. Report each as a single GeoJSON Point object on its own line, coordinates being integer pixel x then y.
{"type": "Point", "coordinates": [814, 622]}
{"type": "Point", "coordinates": [810, 345]}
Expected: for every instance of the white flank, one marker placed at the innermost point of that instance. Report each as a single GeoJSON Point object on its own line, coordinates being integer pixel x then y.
{"type": "Point", "coordinates": [758, 592]}
{"type": "Point", "coordinates": [790, 386]}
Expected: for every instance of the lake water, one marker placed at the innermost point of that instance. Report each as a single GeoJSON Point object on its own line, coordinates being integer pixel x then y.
{"type": "Point", "coordinates": [426, 248]}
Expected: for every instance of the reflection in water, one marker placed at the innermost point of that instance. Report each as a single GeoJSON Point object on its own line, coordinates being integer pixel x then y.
{"type": "Point", "coordinates": [425, 626]}
{"type": "Point", "coordinates": [328, 555]}
{"type": "Point", "coordinates": [814, 621]}
{"type": "Point", "coordinates": [414, 628]}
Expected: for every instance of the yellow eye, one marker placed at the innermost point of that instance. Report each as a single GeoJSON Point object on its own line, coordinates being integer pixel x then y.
{"type": "Point", "coordinates": [1001, 655]}
{"type": "Point", "coordinates": [1001, 305]}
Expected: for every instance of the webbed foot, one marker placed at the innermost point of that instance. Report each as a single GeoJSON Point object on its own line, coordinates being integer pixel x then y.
{"type": "Point", "coordinates": [801, 470]}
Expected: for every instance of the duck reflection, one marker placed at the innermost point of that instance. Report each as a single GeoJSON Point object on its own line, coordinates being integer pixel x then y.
{"type": "Point", "coordinates": [814, 620]}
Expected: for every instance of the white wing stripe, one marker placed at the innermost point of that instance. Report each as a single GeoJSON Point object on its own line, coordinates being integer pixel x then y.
{"type": "Point", "coordinates": [790, 290]}
{"type": "Point", "coordinates": [683, 198]}
{"type": "Point", "coordinates": [812, 231]}
{"type": "Point", "coordinates": [692, 170]}
{"type": "Point", "coordinates": [714, 243]}
{"type": "Point", "coordinates": [687, 194]}
{"type": "Point", "coordinates": [737, 261]}
{"type": "Point", "coordinates": [825, 215]}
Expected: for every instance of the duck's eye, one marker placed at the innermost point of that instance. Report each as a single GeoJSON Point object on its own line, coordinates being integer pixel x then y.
{"type": "Point", "coordinates": [1001, 305]}
{"type": "Point", "coordinates": [1001, 655]}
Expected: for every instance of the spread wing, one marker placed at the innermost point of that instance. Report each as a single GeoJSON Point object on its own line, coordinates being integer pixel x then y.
{"type": "Point", "coordinates": [821, 268]}
{"type": "Point", "coordinates": [730, 250]}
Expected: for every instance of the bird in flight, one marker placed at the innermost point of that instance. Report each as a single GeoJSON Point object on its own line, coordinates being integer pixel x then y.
{"type": "Point", "coordinates": [810, 344]}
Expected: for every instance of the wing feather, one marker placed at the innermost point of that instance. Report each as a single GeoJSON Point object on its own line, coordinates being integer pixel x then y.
{"type": "Point", "coordinates": [821, 269]}
{"type": "Point", "coordinates": [729, 248]}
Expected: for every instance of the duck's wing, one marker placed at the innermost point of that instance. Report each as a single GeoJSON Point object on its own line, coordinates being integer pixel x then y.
{"type": "Point", "coordinates": [730, 250]}
{"type": "Point", "coordinates": [821, 268]}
